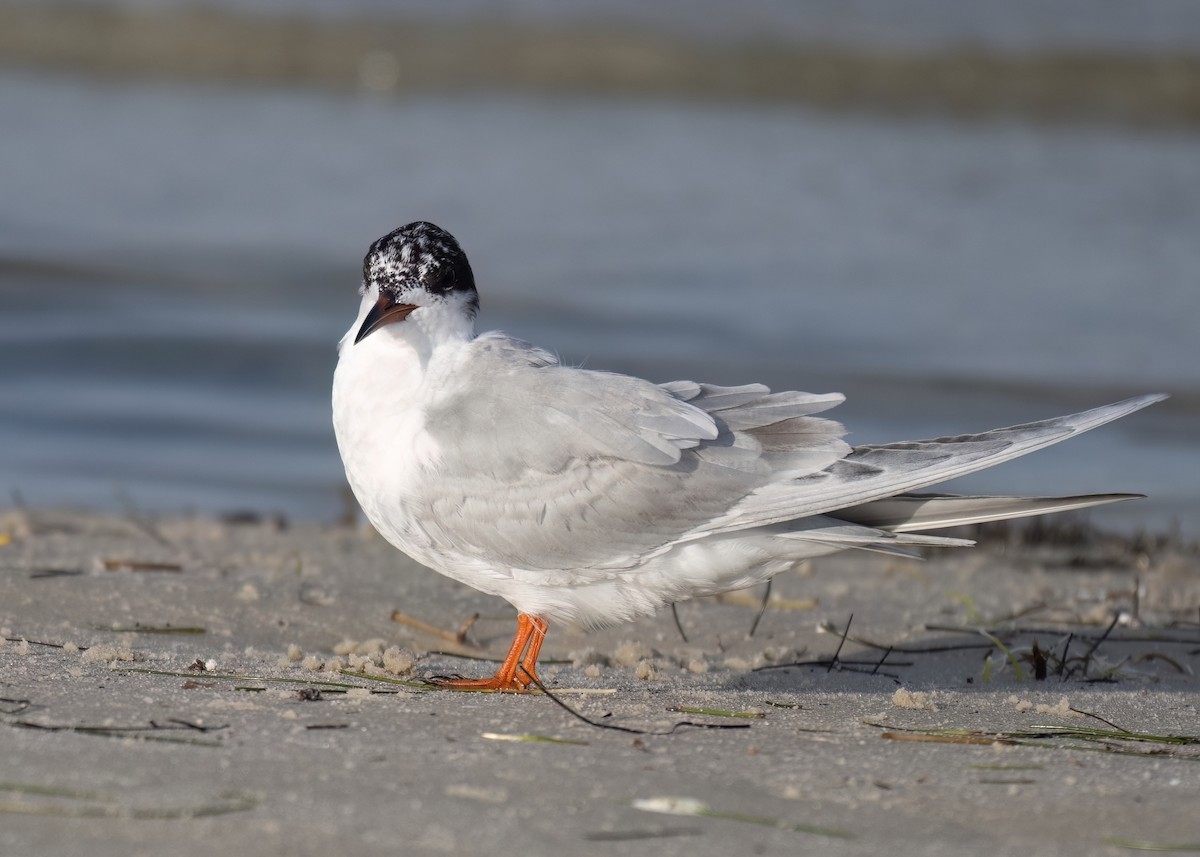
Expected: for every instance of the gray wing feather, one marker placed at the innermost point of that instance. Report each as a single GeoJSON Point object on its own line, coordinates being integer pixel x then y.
{"type": "Point", "coordinates": [751, 405]}
{"type": "Point", "coordinates": [773, 429]}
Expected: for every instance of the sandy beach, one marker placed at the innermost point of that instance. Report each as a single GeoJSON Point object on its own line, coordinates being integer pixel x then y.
{"type": "Point", "coordinates": [190, 686]}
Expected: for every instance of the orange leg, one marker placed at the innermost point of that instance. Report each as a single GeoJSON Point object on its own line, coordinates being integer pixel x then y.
{"type": "Point", "coordinates": [517, 672]}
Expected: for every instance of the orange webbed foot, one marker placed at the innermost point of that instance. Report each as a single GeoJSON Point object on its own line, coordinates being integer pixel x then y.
{"type": "Point", "coordinates": [519, 669]}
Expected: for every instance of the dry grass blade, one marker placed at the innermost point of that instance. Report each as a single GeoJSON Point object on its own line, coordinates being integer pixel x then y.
{"type": "Point", "coordinates": [635, 835]}
{"type": "Point", "coordinates": [138, 628]}
{"type": "Point", "coordinates": [1018, 673]}
{"type": "Point", "coordinates": [74, 803]}
{"type": "Point", "coordinates": [52, 791]}
{"type": "Point", "coordinates": [1183, 669]}
{"type": "Point", "coordinates": [529, 739]}
{"type": "Point", "coordinates": [140, 565]}
{"type": "Point", "coordinates": [239, 677]}
{"type": "Point", "coordinates": [1079, 738]}
{"type": "Point", "coordinates": [458, 638]}
{"type": "Point", "coordinates": [13, 706]}
{"type": "Point", "coordinates": [670, 805]}
{"type": "Point", "coordinates": [929, 738]}
{"type": "Point", "coordinates": [1089, 733]}
{"type": "Point", "coordinates": [717, 712]}
{"type": "Point", "coordinates": [41, 643]}
{"type": "Point", "coordinates": [44, 573]}
{"type": "Point", "coordinates": [414, 685]}
{"type": "Point", "coordinates": [1151, 845]}
{"type": "Point", "coordinates": [151, 732]}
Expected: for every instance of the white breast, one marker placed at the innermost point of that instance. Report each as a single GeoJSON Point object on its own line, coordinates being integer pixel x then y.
{"type": "Point", "coordinates": [379, 421]}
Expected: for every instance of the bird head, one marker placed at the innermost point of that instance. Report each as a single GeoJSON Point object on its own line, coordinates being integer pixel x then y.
{"type": "Point", "coordinates": [416, 268]}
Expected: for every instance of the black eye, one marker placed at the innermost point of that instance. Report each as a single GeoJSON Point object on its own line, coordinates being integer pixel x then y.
{"type": "Point", "coordinates": [439, 278]}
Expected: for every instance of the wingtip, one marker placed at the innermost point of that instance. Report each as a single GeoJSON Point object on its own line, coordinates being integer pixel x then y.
{"type": "Point", "coordinates": [1145, 400]}
{"type": "Point", "coordinates": [1090, 419]}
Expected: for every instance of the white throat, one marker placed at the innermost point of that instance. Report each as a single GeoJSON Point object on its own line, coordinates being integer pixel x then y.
{"type": "Point", "coordinates": [444, 322]}
{"type": "Point", "coordinates": [383, 387]}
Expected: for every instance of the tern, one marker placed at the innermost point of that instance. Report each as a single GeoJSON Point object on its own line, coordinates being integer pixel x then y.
{"type": "Point", "coordinates": [594, 497]}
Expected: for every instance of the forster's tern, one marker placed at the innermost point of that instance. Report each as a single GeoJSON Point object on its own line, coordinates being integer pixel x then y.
{"type": "Point", "coordinates": [595, 497]}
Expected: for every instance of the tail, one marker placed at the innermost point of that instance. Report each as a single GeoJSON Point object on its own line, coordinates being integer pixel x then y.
{"type": "Point", "coordinates": [908, 513]}
{"type": "Point", "coordinates": [872, 475]}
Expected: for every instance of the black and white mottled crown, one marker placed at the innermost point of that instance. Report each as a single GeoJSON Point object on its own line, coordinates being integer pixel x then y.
{"type": "Point", "coordinates": [420, 256]}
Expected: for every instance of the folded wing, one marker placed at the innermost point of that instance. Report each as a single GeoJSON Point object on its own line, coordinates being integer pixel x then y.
{"type": "Point", "coordinates": [545, 467]}
{"type": "Point", "coordinates": [552, 467]}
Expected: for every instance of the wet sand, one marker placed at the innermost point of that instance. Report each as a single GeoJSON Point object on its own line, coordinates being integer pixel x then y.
{"type": "Point", "coordinates": [179, 686]}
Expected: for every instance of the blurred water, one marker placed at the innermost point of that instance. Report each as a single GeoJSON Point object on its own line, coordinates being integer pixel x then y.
{"type": "Point", "coordinates": [924, 25]}
{"type": "Point", "coordinates": [177, 263]}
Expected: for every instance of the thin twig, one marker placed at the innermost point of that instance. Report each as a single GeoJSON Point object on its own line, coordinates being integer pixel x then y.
{"type": "Point", "coordinates": [617, 727]}
{"type": "Point", "coordinates": [1062, 663]}
{"type": "Point", "coordinates": [843, 666]}
{"type": "Point", "coordinates": [187, 724]}
{"type": "Point", "coordinates": [678, 624]}
{"type": "Point", "coordinates": [910, 650]}
{"type": "Point", "coordinates": [41, 643]}
{"type": "Point", "coordinates": [171, 725]}
{"type": "Point", "coordinates": [1088, 657]}
{"type": "Point", "coordinates": [1097, 717]}
{"type": "Point", "coordinates": [139, 565]}
{"type": "Point", "coordinates": [833, 661]}
{"type": "Point", "coordinates": [140, 521]}
{"type": "Point", "coordinates": [18, 705]}
{"type": "Point", "coordinates": [45, 573]}
{"type": "Point", "coordinates": [824, 662]}
{"type": "Point", "coordinates": [762, 607]}
{"type": "Point", "coordinates": [460, 636]}
{"type": "Point", "coordinates": [1036, 631]}
{"type": "Point", "coordinates": [425, 628]}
